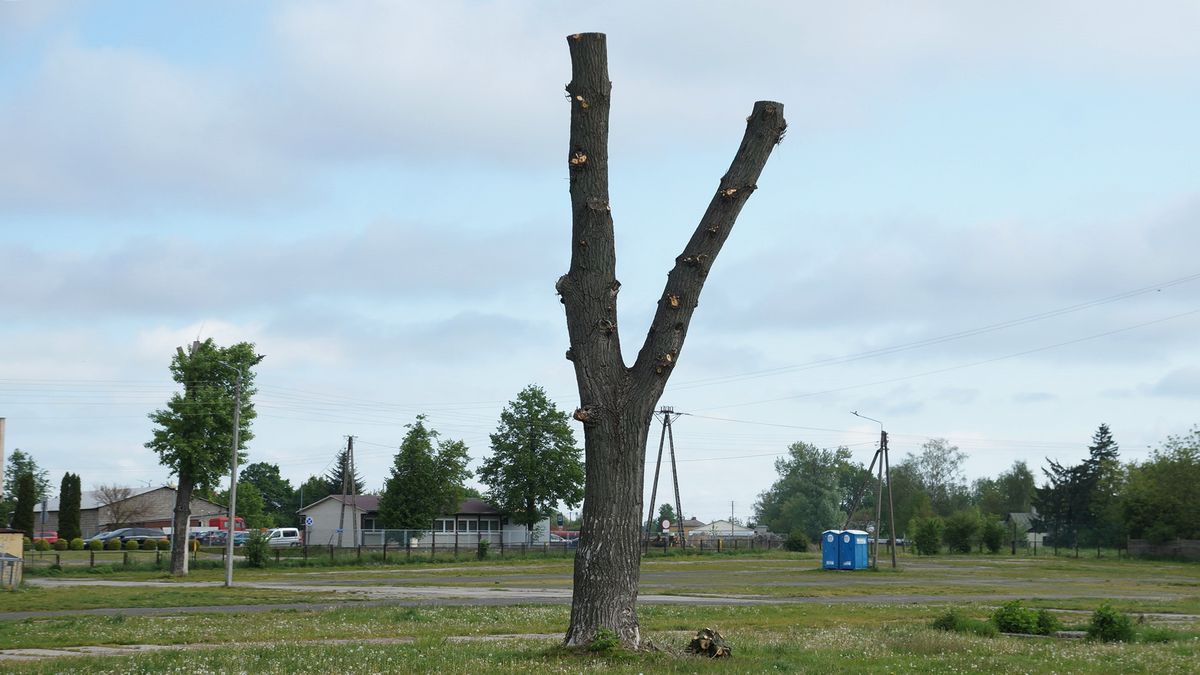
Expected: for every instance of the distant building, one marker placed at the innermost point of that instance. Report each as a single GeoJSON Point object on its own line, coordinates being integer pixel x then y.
{"type": "Point", "coordinates": [126, 507]}
{"type": "Point", "coordinates": [721, 529]}
{"type": "Point", "coordinates": [474, 519]}
{"type": "Point", "coordinates": [1026, 527]}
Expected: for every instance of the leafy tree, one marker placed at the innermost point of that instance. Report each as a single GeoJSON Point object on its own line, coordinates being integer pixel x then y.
{"type": "Point", "coordinates": [939, 466]}
{"type": "Point", "coordinates": [992, 534]}
{"type": "Point", "coordinates": [193, 435]}
{"type": "Point", "coordinates": [1010, 492]}
{"type": "Point", "coordinates": [21, 463]}
{"type": "Point", "coordinates": [927, 535]}
{"type": "Point", "coordinates": [535, 464]}
{"type": "Point", "coordinates": [337, 474]}
{"type": "Point", "coordinates": [311, 491]}
{"type": "Point", "coordinates": [250, 505]}
{"type": "Point", "coordinates": [425, 482]}
{"type": "Point", "coordinates": [909, 498]}
{"type": "Point", "coordinates": [962, 530]}
{"type": "Point", "coordinates": [1081, 502]}
{"type": "Point", "coordinates": [806, 497]}
{"type": "Point", "coordinates": [666, 512]}
{"type": "Point", "coordinates": [617, 401]}
{"type": "Point", "coordinates": [69, 495]}
{"type": "Point", "coordinates": [26, 498]}
{"type": "Point", "coordinates": [278, 497]}
{"type": "Point", "coordinates": [1161, 500]}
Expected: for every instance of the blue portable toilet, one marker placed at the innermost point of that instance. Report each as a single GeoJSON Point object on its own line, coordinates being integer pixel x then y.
{"type": "Point", "coordinates": [852, 550]}
{"type": "Point", "coordinates": [830, 557]}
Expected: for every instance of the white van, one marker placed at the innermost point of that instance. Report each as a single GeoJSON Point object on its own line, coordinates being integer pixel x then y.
{"type": "Point", "coordinates": [284, 536]}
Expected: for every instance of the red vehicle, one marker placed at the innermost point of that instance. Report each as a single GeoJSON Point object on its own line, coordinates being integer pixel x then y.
{"type": "Point", "coordinates": [222, 523]}
{"type": "Point", "coordinates": [49, 535]}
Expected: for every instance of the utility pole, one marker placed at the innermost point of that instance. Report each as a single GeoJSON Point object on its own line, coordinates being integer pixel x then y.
{"type": "Point", "coordinates": [349, 489]}
{"type": "Point", "coordinates": [731, 517]}
{"type": "Point", "coordinates": [667, 413]}
{"type": "Point", "coordinates": [883, 474]}
{"type": "Point", "coordinates": [233, 467]}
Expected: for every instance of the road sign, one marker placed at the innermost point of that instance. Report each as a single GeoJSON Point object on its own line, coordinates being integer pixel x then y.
{"type": "Point", "coordinates": [308, 521]}
{"type": "Point", "coordinates": [666, 524]}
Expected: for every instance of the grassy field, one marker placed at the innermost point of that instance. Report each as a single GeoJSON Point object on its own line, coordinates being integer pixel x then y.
{"type": "Point", "coordinates": [843, 621]}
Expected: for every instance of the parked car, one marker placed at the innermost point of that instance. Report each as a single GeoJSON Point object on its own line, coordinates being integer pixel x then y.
{"type": "Point", "coordinates": [124, 534]}
{"type": "Point", "coordinates": [49, 535]}
{"type": "Point", "coordinates": [284, 536]}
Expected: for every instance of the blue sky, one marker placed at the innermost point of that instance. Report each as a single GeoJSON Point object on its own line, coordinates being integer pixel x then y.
{"type": "Point", "coordinates": [375, 194]}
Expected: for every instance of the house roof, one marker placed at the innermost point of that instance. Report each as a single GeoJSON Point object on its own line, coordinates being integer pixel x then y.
{"type": "Point", "coordinates": [368, 503]}
{"type": "Point", "coordinates": [694, 522]}
{"type": "Point", "coordinates": [1024, 521]}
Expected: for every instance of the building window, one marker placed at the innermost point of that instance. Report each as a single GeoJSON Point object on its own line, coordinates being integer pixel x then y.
{"type": "Point", "coordinates": [489, 525]}
{"type": "Point", "coordinates": [468, 525]}
{"type": "Point", "coordinates": [443, 525]}
{"type": "Point", "coordinates": [368, 523]}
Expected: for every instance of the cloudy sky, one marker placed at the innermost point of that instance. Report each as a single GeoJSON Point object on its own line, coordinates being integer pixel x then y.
{"type": "Point", "coordinates": [982, 225]}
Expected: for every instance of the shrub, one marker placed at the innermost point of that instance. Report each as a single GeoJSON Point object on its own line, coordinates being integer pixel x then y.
{"type": "Point", "coordinates": [131, 545]}
{"type": "Point", "coordinates": [605, 642]}
{"type": "Point", "coordinates": [41, 545]}
{"type": "Point", "coordinates": [255, 549]}
{"type": "Point", "coordinates": [956, 622]}
{"type": "Point", "coordinates": [796, 541]}
{"type": "Point", "coordinates": [1110, 625]}
{"type": "Point", "coordinates": [61, 545]}
{"type": "Point", "coordinates": [962, 531]}
{"type": "Point", "coordinates": [481, 552]}
{"type": "Point", "coordinates": [992, 535]}
{"type": "Point", "coordinates": [27, 543]}
{"type": "Point", "coordinates": [1047, 623]}
{"type": "Point", "coordinates": [164, 544]}
{"type": "Point", "coordinates": [928, 539]}
{"type": "Point", "coordinates": [1013, 617]}
{"type": "Point", "coordinates": [77, 544]}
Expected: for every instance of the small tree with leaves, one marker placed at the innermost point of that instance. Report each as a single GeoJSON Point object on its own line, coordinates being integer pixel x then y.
{"type": "Point", "coordinates": [534, 465]}
{"type": "Point", "coordinates": [426, 480]}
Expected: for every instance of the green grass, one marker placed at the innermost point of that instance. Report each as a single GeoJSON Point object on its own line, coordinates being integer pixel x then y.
{"type": "Point", "coordinates": [37, 598]}
{"type": "Point", "coordinates": [879, 631]}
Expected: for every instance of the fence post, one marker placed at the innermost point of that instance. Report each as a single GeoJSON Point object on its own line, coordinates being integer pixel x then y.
{"type": "Point", "coordinates": [407, 546]}
{"type": "Point", "coordinates": [385, 548]}
{"type": "Point", "coordinates": [306, 553]}
{"type": "Point", "coordinates": [276, 555]}
{"type": "Point", "coordinates": [57, 560]}
{"type": "Point", "coordinates": [92, 555]}
{"type": "Point", "coordinates": [125, 559]}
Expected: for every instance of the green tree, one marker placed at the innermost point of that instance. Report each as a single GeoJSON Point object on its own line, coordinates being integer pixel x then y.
{"type": "Point", "coordinates": [666, 512]}
{"type": "Point", "coordinates": [992, 534]}
{"type": "Point", "coordinates": [311, 491]}
{"type": "Point", "coordinates": [425, 482]}
{"type": "Point", "coordinates": [962, 530]}
{"type": "Point", "coordinates": [807, 496]}
{"type": "Point", "coordinates": [534, 465]}
{"type": "Point", "coordinates": [1010, 492]}
{"type": "Point", "coordinates": [927, 537]}
{"type": "Point", "coordinates": [1161, 500]}
{"type": "Point", "coordinates": [909, 498]}
{"type": "Point", "coordinates": [250, 505]}
{"type": "Point", "coordinates": [336, 475]}
{"type": "Point", "coordinates": [26, 498]}
{"type": "Point", "coordinates": [193, 435]}
{"type": "Point", "coordinates": [278, 497]}
{"type": "Point", "coordinates": [939, 466]}
{"type": "Point", "coordinates": [21, 463]}
{"type": "Point", "coordinates": [69, 494]}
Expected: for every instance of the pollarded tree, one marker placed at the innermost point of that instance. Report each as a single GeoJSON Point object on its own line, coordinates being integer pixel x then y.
{"type": "Point", "coordinates": [535, 463]}
{"type": "Point", "coordinates": [425, 482]}
{"type": "Point", "coordinates": [69, 495]}
{"type": "Point", "coordinates": [616, 400]}
{"type": "Point", "coordinates": [193, 436]}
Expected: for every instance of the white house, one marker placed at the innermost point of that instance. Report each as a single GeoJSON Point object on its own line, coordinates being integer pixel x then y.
{"type": "Point", "coordinates": [720, 529]}
{"type": "Point", "coordinates": [358, 518]}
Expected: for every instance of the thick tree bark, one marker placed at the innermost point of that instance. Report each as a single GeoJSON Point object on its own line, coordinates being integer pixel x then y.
{"type": "Point", "coordinates": [617, 402]}
{"type": "Point", "coordinates": [179, 525]}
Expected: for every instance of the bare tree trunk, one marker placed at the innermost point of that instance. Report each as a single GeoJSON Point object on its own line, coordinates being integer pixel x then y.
{"type": "Point", "coordinates": [617, 402]}
{"type": "Point", "coordinates": [179, 525]}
